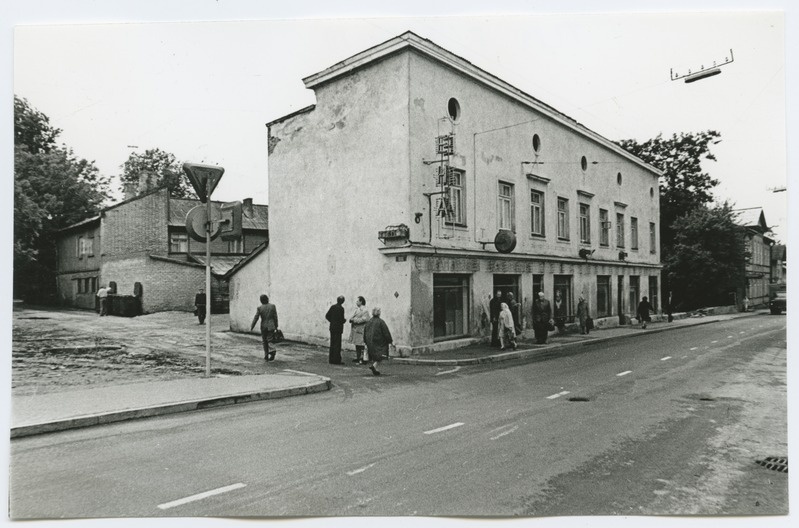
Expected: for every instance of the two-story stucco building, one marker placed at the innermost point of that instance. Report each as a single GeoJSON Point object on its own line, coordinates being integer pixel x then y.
{"type": "Point", "coordinates": [395, 184]}
{"type": "Point", "coordinates": [757, 262]}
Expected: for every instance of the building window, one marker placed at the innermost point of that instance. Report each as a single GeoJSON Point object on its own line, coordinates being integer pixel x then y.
{"type": "Point", "coordinates": [506, 212]}
{"type": "Point", "coordinates": [537, 213]}
{"type": "Point", "coordinates": [562, 309]}
{"type": "Point", "coordinates": [81, 249]}
{"type": "Point", "coordinates": [236, 246]}
{"type": "Point", "coordinates": [584, 163]}
{"type": "Point", "coordinates": [536, 143]}
{"type": "Point", "coordinates": [633, 233]}
{"type": "Point", "coordinates": [450, 306]}
{"type": "Point", "coordinates": [563, 218]}
{"type": "Point", "coordinates": [652, 238]}
{"type": "Point", "coordinates": [585, 224]}
{"type": "Point", "coordinates": [604, 228]}
{"type": "Point", "coordinates": [178, 243]}
{"type": "Point", "coordinates": [603, 300]}
{"type": "Point", "coordinates": [619, 230]}
{"type": "Point", "coordinates": [90, 246]}
{"type": "Point", "coordinates": [456, 198]}
{"type": "Point", "coordinates": [635, 289]}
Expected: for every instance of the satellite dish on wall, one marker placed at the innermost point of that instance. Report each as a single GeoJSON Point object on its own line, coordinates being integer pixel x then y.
{"type": "Point", "coordinates": [505, 241]}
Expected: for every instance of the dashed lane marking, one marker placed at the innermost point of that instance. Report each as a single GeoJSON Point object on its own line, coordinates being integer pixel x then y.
{"type": "Point", "coordinates": [624, 373]}
{"type": "Point", "coordinates": [456, 369]}
{"type": "Point", "coordinates": [445, 428]}
{"type": "Point", "coordinates": [509, 431]}
{"type": "Point", "coordinates": [694, 348]}
{"type": "Point", "coordinates": [360, 470]}
{"type": "Point", "coordinates": [200, 496]}
{"type": "Point", "coordinates": [716, 341]}
{"type": "Point", "coordinates": [665, 358]}
{"type": "Point", "coordinates": [741, 332]}
{"type": "Point", "coordinates": [729, 337]}
{"type": "Point", "coordinates": [558, 395]}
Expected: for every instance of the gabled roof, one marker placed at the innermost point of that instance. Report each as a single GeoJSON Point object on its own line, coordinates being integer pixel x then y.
{"type": "Point", "coordinates": [752, 217]}
{"type": "Point", "coordinates": [82, 223]}
{"type": "Point", "coordinates": [411, 41]}
{"type": "Point", "coordinates": [179, 207]}
{"type": "Point", "coordinates": [220, 264]}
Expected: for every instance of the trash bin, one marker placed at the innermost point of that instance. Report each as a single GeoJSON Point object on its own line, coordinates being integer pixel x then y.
{"type": "Point", "coordinates": [124, 305]}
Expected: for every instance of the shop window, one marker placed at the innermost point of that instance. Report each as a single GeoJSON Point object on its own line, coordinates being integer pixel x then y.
{"type": "Point", "coordinates": [450, 306]}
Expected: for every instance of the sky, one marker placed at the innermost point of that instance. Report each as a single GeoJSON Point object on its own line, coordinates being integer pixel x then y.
{"type": "Point", "coordinates": [205, 90]}
{"type": "Point", "coordinates": [201, 78]}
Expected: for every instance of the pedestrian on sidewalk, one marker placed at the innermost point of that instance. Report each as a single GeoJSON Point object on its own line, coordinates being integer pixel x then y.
{"type": "Point", "coordinates": [746, 303]}
{"type": "Point", "coordinates": [267, 312]}
{"type": "Point", "coordinates": [643, 312]}
{"type": "Point", "coordinates": [102, 295]}
{"type": "Point", "coordinates": [377, 338]}
{"type": "Point", "coordinates": [507, 336]}
{"type": "Point", "coordinates": [358, 322]}
{"type": "Point", "coordinates": [199, 305]}
{"type": "Point", "coordinates": [515, 310]}
{"type": "Point", "coordinates": [494, 307]}
{"type": "Point", "coordinates": [542, 319]}
{"type": "Point", "coordinates": [582, 315]}
{"type": "Point", "coordinates": [335, 316]}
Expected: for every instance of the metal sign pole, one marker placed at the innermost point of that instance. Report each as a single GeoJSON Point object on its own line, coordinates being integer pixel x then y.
{"type": "Point", "coordinates": [208, 282]}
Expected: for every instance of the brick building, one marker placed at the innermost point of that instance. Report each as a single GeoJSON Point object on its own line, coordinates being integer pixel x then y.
{"type": "Point", "coordinates": [144, 240]}
{"type": "Point", "coordinates": [396, 183]}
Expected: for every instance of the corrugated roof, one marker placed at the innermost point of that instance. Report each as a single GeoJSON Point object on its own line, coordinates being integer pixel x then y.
{"type": "Point", "coordinates": [179, 208]}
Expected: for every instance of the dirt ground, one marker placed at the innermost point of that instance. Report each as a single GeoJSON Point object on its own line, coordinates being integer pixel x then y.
{"type": "Point", "coordinates": [58, 349]}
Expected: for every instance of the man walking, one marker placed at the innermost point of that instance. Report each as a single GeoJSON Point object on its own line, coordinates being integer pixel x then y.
{"type": "Point", "coordinates": [515, 310]}
{"type": "Point", "coordinates": [199, 305]}
{"type": "Point", "coordinates": [542, 318]}
{"type": "Point", "coordinates": [268, 315]}
{"type": "Point", "coordinates": [494, 308]}
{"type": "Point", "coordinates": [335, 315]}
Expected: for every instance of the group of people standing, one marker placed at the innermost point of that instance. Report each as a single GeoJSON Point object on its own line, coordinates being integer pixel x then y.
{"type": "Point", "coordinates": [505, 315]}
{"type": "Point", "coordinates": [369, 334]}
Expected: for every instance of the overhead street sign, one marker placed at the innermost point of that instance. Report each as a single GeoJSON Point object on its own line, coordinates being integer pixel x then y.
{"type": "Point", "coordinates": [204, 178]}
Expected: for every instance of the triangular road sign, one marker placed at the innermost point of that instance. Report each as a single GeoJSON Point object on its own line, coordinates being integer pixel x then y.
{"type": "Point", "coordinates": [204, 178]}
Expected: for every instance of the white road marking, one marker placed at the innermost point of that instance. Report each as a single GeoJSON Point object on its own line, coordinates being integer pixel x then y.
{"type": "Point", "coordinates": [456, 369]}
{"type": "Point", "coordinates": [716, 341]}
{"type": "Point", "coordinates": [445, 428]}
{"type": "Point", "coordinates": [509, 431]}
{"type": "Point", "coordinates": [624, 373]}
{"type": "Point", "coordinates": [360, 470]}
{"type": "Point", "coordinates": [694, 348]}
{"type": "Point", "coordinates": [299, 372]}
{"type": "Point", "coordinates": [741, 332]}
{"type": "Point", "coordinates": [200, 496]}
{"type": "Point", "coordinates": [665, 358]}
{"type": "Point", "coordinates": [729, 337]}
{"type": "Point", "coordinates": [558, 395]}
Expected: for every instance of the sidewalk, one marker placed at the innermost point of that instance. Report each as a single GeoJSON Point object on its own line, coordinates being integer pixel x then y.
{"type": "Point", "coordinates": [43, 413]}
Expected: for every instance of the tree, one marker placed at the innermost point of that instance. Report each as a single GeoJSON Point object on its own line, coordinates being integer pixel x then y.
{"type": "Point", "coordinates": [52, 189]}
{"type": "Point", "coordinates": [705, 263]}
{"type": "Point", "coordinates": [683, 186]}
{"type": "Point", "coordinates": [155, 168]}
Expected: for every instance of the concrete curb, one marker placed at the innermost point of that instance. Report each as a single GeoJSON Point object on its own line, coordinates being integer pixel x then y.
{"type": "Point", "coordinates": [521, 354]}
{"type": "Point", "coordinates": [168, 408]}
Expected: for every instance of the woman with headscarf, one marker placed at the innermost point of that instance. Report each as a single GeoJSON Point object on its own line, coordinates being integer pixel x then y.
{"type": "Point", "coordinates": [377, 338]}
{"type": "Point", "coordinates": [507, 333]}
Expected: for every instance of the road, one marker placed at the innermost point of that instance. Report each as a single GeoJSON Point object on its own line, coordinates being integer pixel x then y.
{"type": "Point", "coordinates": [663, 424]}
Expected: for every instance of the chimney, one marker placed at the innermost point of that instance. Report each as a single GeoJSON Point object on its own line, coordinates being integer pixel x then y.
{"type": "Point", "coordinates": [248, 212]}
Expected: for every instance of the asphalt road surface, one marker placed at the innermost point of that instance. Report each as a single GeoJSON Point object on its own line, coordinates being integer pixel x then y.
{"type": "Point", "coordinates": [671, 423]}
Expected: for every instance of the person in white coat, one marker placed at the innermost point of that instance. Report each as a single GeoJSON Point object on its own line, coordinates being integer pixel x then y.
{"type": "Point", "coordinates": [358, 322]}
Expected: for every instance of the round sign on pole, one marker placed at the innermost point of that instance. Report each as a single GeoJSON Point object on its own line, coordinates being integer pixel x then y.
{"type": "Point", "coordinates": [196, 219]}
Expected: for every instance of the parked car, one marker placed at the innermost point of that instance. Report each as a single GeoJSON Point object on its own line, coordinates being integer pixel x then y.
{"type": "Point", "coordinates": [777, 304]}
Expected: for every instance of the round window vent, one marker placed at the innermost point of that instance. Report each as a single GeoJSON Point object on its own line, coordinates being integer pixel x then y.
{"type": "Point", "coordinates": [536, 143]}
{"type": "Point", "coordinates": [454, 109]}
{"type": "Point", "coordinates": [584, 163]}
{"type": "Point", "coordinates": [618, 178]}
